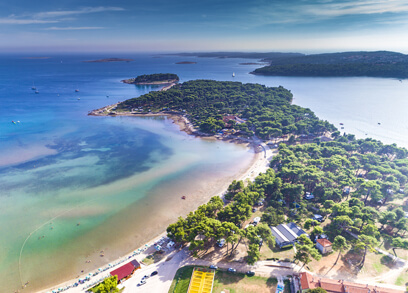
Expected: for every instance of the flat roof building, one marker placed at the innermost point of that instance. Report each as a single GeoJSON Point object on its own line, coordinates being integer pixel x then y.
{"type": "Point", "coordinates": [286, 234]}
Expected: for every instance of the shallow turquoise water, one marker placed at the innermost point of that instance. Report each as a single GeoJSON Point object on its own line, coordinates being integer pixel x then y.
{"type": "Point", "coordinates": [72, 185]}
{"type": "Point", "coordinates": [121, 178]}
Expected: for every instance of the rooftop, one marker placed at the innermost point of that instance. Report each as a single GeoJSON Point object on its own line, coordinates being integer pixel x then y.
{"type": "Point", "coordinates": [324, 242]}
{"type": "Point", "coordinates": [308, 281]}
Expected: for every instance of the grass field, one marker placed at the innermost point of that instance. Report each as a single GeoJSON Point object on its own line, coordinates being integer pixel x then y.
{"type": "Point", "coordinates": [224, 281]}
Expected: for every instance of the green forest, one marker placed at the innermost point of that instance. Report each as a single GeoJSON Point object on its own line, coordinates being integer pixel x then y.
{"type": "Point", "coordinates": [360, 63]}
{"type": "Point", "coordinates": [156, 77]}
{"type": "Point", "coordinates": [395, 70]}
{"type": "Point", "coordinates": [352, 180]}
{"type": "Point", "coordinates": [266, 111]}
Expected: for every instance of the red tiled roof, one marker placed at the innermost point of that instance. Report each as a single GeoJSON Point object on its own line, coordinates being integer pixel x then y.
{"type": "Point", "coordinates": [228, 118]}
{"type": "Point", "coordinates": [324, 242]}
{"type": "Point", "coordinates": [307, 281]}
{"type": "Point", "coordinates": [125, 270]}
{"type": "Point", "coordinates": [332, 286]}
{"type": "Point", "coordinates": [356, 289]}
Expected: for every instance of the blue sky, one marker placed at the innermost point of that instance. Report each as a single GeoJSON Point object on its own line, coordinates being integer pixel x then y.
{"type": "Point", "coordinates": [208, 25]}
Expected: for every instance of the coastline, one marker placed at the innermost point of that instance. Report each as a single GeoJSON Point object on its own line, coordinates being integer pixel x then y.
{"type": "Point", "coordinates": [167, 82]}
{"type": "Point", "coordinates": [259, 163]}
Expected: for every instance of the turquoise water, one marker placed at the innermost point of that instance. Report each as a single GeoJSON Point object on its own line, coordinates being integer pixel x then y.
{"type": "Point", "coordinates": [121, 178]}
{"type": "Point", "coordinates": [73, 185]}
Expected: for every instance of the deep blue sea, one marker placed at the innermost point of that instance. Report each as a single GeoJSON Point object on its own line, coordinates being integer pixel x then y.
{"type": "Point", "coordinates": [72, 185]}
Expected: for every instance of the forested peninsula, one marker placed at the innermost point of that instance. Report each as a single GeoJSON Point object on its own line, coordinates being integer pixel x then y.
{"type": "Point", "coordinates": [331, 184]}
{"type": "Point", "coordinates": [372, 64]}
{"type": "Point", "coordinates": [157, 78]}
{"type": "Point", "coordinates": [244, 109]}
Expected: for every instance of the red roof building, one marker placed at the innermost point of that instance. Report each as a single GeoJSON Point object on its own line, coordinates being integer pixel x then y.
{"type": "Point", "coordinates": [308, 281]}
{"type": "Point", "coordinates": [324, 245]}
{"type": "Point", "coordinates": [126, 270]}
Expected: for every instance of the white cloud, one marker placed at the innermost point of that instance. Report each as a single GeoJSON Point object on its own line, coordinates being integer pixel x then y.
{"type": "Point", "coordinates": [12, 20]}
{"type": "Point", "coordinates": [54, 16]}
{"type": "Point", "coordinates": [84, 10]}
{"type": "Point", "coordinates": [310, 11]}
{"type": "Point", "coordinates": [68, 28]}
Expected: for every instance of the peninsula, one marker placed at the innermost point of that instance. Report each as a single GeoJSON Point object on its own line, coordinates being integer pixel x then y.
{"type": "Point", "coordinates": [221, 108]}
{"type": "Point", "coordinates": [157, 78]}
{"type": "Point", "coordinates": [109, 60]}
{"type": "Point", "coordinates": [186, 62]}
{"type": "Point", "coordinates": [372, 64]}
{"type": "Point", "coordinates": [320, 184]}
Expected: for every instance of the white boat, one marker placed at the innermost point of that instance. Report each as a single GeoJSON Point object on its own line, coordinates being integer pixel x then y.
{"type": "Point", "coordinates": [233, 74]}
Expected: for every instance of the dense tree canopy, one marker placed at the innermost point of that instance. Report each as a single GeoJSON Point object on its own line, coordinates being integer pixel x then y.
{"type": "Point", "coordinates": [266, 111]}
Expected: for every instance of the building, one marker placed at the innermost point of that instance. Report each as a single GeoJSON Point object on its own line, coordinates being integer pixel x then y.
{"type": "Point", "coordinates": [324, 245]}
{"type": "Point", "coordinates": [307, 281]}
{"type": "Point", "coordinates": [125, 271]}
{"type": "Point", "coordinates": [286, 234]}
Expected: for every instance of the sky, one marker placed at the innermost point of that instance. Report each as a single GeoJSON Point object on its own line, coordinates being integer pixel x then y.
{"type": "Point", "coordinates": [208, 25]}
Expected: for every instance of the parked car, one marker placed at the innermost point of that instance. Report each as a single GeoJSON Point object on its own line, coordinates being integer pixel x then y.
{"type": "Point", "coordinates": [253, 210]}
{"type": "Point", "coordinates": [142, 282]}
{"type": "Point", "coordinates": [231, 270]}
{"type": "Point", "coordinates": [250, 273]}
{"type": "Point", "coordinates": [318, 218]}
{"type": "Point", "coordinates": [221, 242]}
{"type": "Point", "coordinates": [153, 273]}
{"type": "Point", "coordinates": [214, 267]}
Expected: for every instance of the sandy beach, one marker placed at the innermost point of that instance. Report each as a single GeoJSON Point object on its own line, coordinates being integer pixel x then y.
{"type": "Point", "coordinates": [258, 164]}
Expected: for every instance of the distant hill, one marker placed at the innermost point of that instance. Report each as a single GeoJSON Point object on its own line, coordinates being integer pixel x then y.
{"type": "Point", "coordinates": [374, 64]}
{"type": "Point", "coordinates": [247, 55]}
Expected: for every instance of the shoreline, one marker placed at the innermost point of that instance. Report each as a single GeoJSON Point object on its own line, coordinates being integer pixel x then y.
{"type": "Point", "coordinates": [167, 82]}
{"type": "Point", "coordinates": [258, 164]}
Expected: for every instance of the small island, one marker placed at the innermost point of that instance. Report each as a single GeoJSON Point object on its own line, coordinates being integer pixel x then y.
{"type": "Point", "coordinates": [37, 57]}
{"type": "Point", "coordinates": [253, 63]}
{"type": "Point", "coordinates": [157, 78]}
{"type": "Point", "coordinates": [109, 60]}
{"type": "Point", "coordinates": [186, 62]}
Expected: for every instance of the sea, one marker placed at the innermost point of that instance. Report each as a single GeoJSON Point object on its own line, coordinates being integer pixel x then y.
{"type": "Point", "coordinates": [74, 187]}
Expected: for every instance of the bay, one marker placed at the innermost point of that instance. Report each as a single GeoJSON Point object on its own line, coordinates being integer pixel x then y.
{"type": "Point", "coordinates": [110, 183]}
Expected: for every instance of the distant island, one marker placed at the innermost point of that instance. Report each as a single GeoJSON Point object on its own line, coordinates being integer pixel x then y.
{"type": "Point", "coordinates": [157, 78]}
{"type": "Point", "coordinates": [252, 63]}
{"type": "Point", "coordinates": [186, 62]}
{"type": "Point", "coordinates": [109, 60]}
{"type": "Point", "coordinates": [245, 55]}
{"type": "Point", "coordinates": [36, 57]}
{"type": "Point", "coordinates": [371, 64]}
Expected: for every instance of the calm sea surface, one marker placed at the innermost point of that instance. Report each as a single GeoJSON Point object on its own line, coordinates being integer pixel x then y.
{"type": "Point", "coordinates": [72, 185]}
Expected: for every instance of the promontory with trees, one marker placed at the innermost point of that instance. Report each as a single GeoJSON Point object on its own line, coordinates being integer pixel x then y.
{"type": "Point", "coordinates": [263, 111]}
{"type": "Point", "coordinates": [358, 185]}
{"type": "Point", "coordinates": [157, 78]}
{"type": "Point", "coordinates": [358, 63]}
{"type": "Point", "coordinates": [373, 64]}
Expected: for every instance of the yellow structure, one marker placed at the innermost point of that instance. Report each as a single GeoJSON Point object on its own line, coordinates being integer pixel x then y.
{"type": "Point", "coordinates": [201, 281]}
